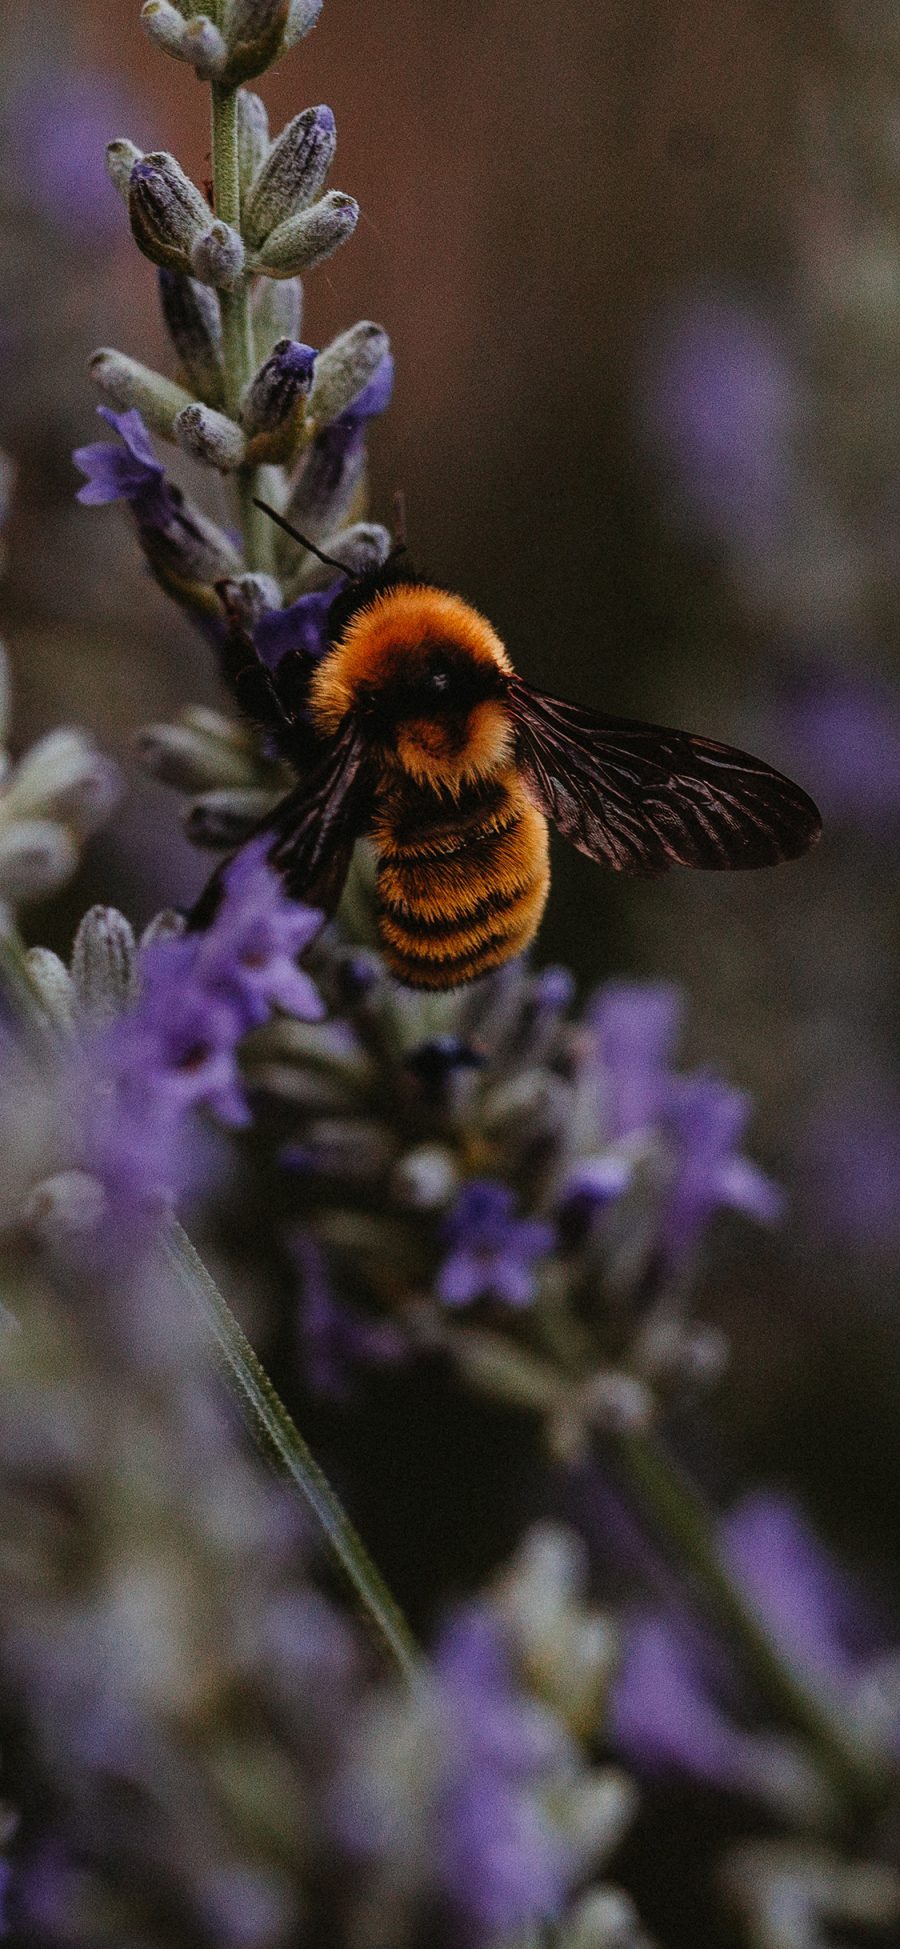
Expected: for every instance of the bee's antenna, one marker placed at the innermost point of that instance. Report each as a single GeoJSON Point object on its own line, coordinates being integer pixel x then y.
{"type": "Point", "coordinates": [295, 535]}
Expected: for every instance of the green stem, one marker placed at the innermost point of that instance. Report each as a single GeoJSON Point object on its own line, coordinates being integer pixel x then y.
{"type": "Point", "coordinates": [683, 1522]}
{"type": "Point", "coordinates": [238, 348]}
{"type": "Point", "coordinates": [282, 1442]}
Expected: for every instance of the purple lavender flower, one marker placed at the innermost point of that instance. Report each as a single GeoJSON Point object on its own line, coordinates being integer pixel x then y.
{"type": "Point", "coordinates": [636, 1025]}
{"type": "Point", "coordinates": [502, 1864]}
{"type": "Point", "coordinates": [695, 1121]}
{"type": "Point", "coordinates": [187, 552]}
{"type": "Point", "coordinates": [453, 1789]}
{"type": "Point", "coordinates": [176, 1050]}
{"type": "Point", "coordinates": [716, 400]}
{"type": "Point", "coordinates": [491, 1253]}
{"type": "Point", "coordinates": [679, 1706]}
{"type": "Point", "coordinates": [704, 1123]}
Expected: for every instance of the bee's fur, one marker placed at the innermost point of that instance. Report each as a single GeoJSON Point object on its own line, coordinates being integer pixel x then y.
{"type": "Point", "coordinates": [462, 854]}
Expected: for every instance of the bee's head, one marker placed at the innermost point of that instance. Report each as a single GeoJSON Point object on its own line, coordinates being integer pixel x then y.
{"type": "Point", "coordinates": [426, 677]}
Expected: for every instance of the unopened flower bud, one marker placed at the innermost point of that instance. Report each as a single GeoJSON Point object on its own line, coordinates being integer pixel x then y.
{"type": "Point", "coordinates": [426, 1178]}
{"type": "Point", "coordinates": [252, 596]}
{"type": "Point", "coordinates": [273, 404]}
{"type": "Point", "coordinates": [124, 382]}
{"type": "Point", "coordinates": [203, 46]}
{"type": "Point", "coordinates": [361, 548]}
{"type": "Point", "coordinates": [168, 214]}
{"type": "Point", "coordinates": [36, 857]}
{"type": "Point", "coordinates": [164, 25]}
{"type": "Point", "coordinates": [344, 368]}
{"type": "Point", "coordinates": [53, 985]}
{"type": "Point", "coordinates": [253, 136]}
{"type": "Point", "coordinates": [211, 437]}
{"type": "Point", "coordinates": [194, 325]}
{"type": "Point", "coordinates": [226, 817]}
{"type": "Point", "coordinates": [306, 240]}
{"type": "Point", "coordinates": [193, 759]}
{"type": "Point", "coordinates": [103, 964]}
{"type": "Point", "coordinates": [255, 31]}
{"type": "Point", "coordinates": [277, 312]}
{"type": "Point", "coordinates": [605, 1918]}
{"type": "Point", "coordinates": [121, 157]}
{"type": "Point", "coordinates": [218, 256]}
{"type": "Point", "coordinates": [62, 777]}
{"type": "Point", "coordinates": [65, 1209]}
{"type": "Point", "coordinates": [302, 15]}
{"type": "Point", "coordinates": [292, 175]}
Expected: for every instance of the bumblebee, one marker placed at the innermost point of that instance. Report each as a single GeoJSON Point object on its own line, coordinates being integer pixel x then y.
{"type": "Point", "coordinates": [413, 730]}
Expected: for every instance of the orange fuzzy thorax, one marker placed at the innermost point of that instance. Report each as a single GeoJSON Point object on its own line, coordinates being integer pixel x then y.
{"type": "Point", "coordinates": [383, 643]}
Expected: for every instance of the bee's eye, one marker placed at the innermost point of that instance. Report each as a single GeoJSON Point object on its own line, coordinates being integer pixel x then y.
{"type": "Point", "coordinates": [439, 674]}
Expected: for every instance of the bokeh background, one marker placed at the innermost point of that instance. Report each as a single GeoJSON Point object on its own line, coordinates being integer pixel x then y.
{"type": "Point", "coordinates": [641, 269]}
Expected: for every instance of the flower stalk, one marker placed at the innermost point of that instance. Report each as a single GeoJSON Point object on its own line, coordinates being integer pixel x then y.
{"type": "Point", "coordinates": [683, 1523]}
{"type": "Point", "coordinates": [238, 347]}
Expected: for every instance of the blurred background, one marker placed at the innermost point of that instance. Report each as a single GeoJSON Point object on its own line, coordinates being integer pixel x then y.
{"type": "Point", "coordinates": [641, 268]}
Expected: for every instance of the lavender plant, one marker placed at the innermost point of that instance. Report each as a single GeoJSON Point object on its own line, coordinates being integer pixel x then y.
{"type": "Point", "coordinates": [202, 1744]}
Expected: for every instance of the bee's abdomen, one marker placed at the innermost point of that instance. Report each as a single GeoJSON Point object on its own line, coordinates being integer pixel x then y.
{"type": "Point", "coordinates": [461, 887]}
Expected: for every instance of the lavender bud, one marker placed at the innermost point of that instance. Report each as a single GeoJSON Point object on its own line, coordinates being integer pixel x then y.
{"type": "Point", "coordinates": [426, 1178]}
{"type": "Point", "coordinates": [363, 547]}
{"type": "Point", "coordinates": [306, 240]}
{"type": "Point", "coordinates": [253, 596]}
{"type": "Point", "coordinates": [62, 777]}
{"type": "Point", "coordinates": [65, 1208]}
{"type": "Point", "coordinates": [604, 1918]}
{"type": "Point", "coordinates": [272, 412]}
{"type": "Point", "coordinates": [225, 818]}
{"type": "Point", "coordinates": [344, 368]}
{"type": "Point", "coordinates": [618, 1403]}
{"type": "Point", "coordinates": [194, 325]}
{"type": "Point", "coordinates": [164, 26]}
{"type": "Point", "coordinates": [218, 256]}
{"type": "Point", "coordinates": [168, 214]}
{"type": "Point", "coordinates": [194, 758]}
{"type": "Point", "coordinates": [202, 45]}
{"type": "Point", "coordinates": [167, 925]}
{"type": "Point", "coordinates": [211, 437]}
{"type": "Point", "coordinates": [253, 136]}
{"type": "Point", "coordinates": [292, 175]}
{"type": "Point", "coordinates": [124, 382]}
{"type": "Point", "coordinates": [103, 964]}
{"type": "Point", "coordinates": [36, 857]}
{"type": "Point", "coordinates": [53, 983]}
{"type": "Point", "coordinates": [255, 31]}
{"type": "Point", "coordinates": [302, 15]}
{"type": "Point", "coordinates": [277, 312]}
{"type": "Point", "coordinates": [121, 157]}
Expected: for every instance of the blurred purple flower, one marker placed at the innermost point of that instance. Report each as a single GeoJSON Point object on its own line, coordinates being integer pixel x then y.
{"type": "Point", "coordinates": [715, 397]}
{"type": "Point", "coordinates": [176, 1050]}
{"type": "Point", "coordinates": [696, 1120]}
{"type": "Point", "coordinates": [843, 732]}
{"type": "Point", "coordinates": [502, 1864]}
{"type": "Point", "coordinates": [704, 1123]}
{"type": "Point", "coordinates": [636, 1026]}
{"type": "Point", "coordinates": [336, 1341]}
{"type": "Point", "coordinates": [56, 129]}
{"type": "Point", "coordinates": [680, 1706]}
{"type": "Point", "coordinates": [491, 1253]}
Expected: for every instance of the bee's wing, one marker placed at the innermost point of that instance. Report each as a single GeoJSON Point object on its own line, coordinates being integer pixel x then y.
{"type": "Point", "coordinates": [641, 798]}
{"type": "Point", "coordinates": [313, 830]}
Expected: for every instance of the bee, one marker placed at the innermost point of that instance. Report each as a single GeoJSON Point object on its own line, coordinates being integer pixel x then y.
{"type": "Point", "coordinates": [415, 731]}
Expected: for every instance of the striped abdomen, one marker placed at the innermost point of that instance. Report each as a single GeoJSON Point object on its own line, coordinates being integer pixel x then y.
{"type": "Point", "coordinates": [460, 884]}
